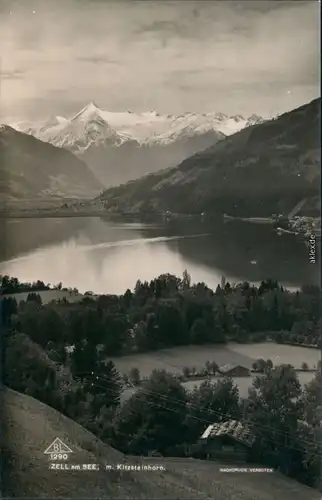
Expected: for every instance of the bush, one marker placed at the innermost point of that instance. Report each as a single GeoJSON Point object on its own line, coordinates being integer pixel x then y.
{"type": "Point", "coordinates": [134, 376]}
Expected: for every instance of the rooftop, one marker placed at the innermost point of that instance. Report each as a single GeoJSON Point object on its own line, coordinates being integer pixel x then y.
{"type": "Point", "coordinates": [230, 366]}
{"type": "Point", "coordinates": [232, 428]}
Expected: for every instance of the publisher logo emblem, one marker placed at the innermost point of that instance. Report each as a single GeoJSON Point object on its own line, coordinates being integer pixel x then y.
{"type": "Point", "coordinates": [58, 450]}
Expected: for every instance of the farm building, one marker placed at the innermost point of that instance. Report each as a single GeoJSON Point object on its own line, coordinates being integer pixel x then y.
{"type": "Point", "coordinates": [233, 370]}
{"type": "Point", "coordinates": [231, 440]}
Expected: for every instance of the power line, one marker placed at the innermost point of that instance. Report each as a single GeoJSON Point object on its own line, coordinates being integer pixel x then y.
{"type": "Point", "coordinates": [214, 412]}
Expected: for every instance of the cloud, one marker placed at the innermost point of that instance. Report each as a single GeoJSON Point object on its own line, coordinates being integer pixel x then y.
{"type": "Point", "coordinates": [12, 75]}
{"type": "Point", "coordinates": [170, 56]}
{"type": "Point", "coordinates": [97, 59]}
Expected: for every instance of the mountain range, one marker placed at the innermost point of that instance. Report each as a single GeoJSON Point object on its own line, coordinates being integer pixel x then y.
{"type": "Point", "coordinates": [263, 169]}
{"type": "Point", "coordinates": [119, 147]}
{"type": "Point", "coordinates": [33, 169]}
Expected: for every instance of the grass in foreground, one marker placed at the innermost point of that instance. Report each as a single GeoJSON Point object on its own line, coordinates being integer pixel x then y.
{"type": "Point", "coordinates": [31, 426]}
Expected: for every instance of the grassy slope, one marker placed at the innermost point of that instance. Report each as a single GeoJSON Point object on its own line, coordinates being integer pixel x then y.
{"type": "Point", "coordinates": [264, 169]}
{"type": "Point", "coordinates": [31, 426]}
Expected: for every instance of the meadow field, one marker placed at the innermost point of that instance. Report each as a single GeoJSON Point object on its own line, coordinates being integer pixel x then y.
{"type": "Point", "coordinates": [176, 358]}
{"type": "Point", "coordinates": [173, 360]}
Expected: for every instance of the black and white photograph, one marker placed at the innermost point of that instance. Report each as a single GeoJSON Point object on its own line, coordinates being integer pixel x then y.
{"type": "Point", "coordinates": [160, 234]}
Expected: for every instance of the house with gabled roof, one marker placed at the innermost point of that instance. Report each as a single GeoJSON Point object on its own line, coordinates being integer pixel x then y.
{"type": "Point", "coordinates": [234, 370]}
{"type": "Point", "coordinates": [231, 440]}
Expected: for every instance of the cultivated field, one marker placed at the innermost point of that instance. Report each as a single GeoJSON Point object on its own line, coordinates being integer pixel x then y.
{"type": "Point", "coordinates": [173, 360]}
{"type": "Point", "coordinates": [244, 354]}
{"type": "Point", "coordinates": [279, 353]}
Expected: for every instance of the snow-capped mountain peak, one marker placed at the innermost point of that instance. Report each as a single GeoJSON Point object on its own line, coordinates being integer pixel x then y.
{"type": "Point", "coordinates": [90, 111]}
{"type": "Point", "coordinates": [92, 125]}
{"type": "Point", "coordinates": [238, 118]}
{"type": "Point", "coordinates": [254, 119]}
{"type": "Point", "coordinates": [78, 133]}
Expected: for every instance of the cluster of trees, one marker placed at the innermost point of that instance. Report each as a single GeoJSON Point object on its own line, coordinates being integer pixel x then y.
{"type": "Point", "coordinates": [162, 416]}
{"type": "Point", "coordinates": [304, 332]}
{"type": "Point", "coordinates": [262, 366]}
{"type": "Point", "coordinates": [13, 285]}
{"type": "Point", "coordinates": [169, 311]}
{"type": "Point", "coordinates": [9, 285]}
{"type": "Point", "coordinates": [284, 419]}
{"type": "Point", "coordinates": [133, 377]}
{"type": "Point", "coordinates": [211, 368]}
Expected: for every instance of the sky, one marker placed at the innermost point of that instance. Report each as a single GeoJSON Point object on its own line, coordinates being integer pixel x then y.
{"type": "Point", "coordinates": [234, 57]}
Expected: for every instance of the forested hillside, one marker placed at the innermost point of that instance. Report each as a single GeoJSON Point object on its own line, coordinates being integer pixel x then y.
{"type": "Point", "coordinates": [84, 385]}
{"type": "Point", "coordinates": [264, 169]}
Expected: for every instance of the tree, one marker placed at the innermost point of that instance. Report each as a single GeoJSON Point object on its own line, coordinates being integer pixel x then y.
{"type": "Point", "coordinates": [84, 360]}
{"type": "Point", "coordinates": [199, 333]}
{"type": "Point", "coordinates": [311, 400]}
{"type": "Point", "coordinates": [152, 419]}
{"type": "Point", "coordinates": [141, 292]}
{"type": "Point", "coordinates": [309, 440]}
{"type": "Point", "coordinates": [27, 321]}
{"type": "Point", "coordinates": [214, 367]}
{"type": "Point", "coordinates": [211, 367]}
{"type": "Point", "coordinates": [274, 410]}
{"type": "Point", "coordinates": [29, 370]}
{"type": "Point", "coordinates": [127, 298]}
{"type": "Point", "coordinates": [50, 326]}
{"type": "Point", "coordinates": [140, 336]}
{"type": "Point", "coordinates": [186, 280]}
{"type": "Point", "coordinates": [134, 376]}
{"type": "Point", "coordinates": [34, 297]}
{"type": "Point", "coordinates": [170, 323]}
{"type": "Point", "coordinates": [114, 330]}
{"type": "Point", "coordinates": [101, 383]}
{"type": "Point", "coordinates": [209, 403]}
{"type": "Point", "coordinates": [259, 365]}
{"type": "Point", "coordinates": [8, 309]}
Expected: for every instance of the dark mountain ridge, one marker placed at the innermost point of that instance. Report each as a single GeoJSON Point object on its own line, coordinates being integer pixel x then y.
{"type": "Point", "coordinates": [31, 168]}
{"type": "Point", "coordinates": [264, 169]}
{"type": "Point", "coordinates": [114, 165]}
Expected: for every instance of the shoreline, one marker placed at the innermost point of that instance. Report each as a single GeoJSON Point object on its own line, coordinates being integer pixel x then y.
{"type": "Point", "coordinates": [60, 211]}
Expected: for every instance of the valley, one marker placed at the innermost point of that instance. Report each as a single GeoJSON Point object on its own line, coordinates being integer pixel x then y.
{"type": "Point", "coordinates": [253, 173]}
{"type": "Point", "coordinates": [160, 229]}
{"type": "Point", "coordinates": [123, 146]}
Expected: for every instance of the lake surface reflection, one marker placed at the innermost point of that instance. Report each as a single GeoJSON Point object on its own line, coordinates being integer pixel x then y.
{"type": "Point", "coordinates": [110, 255]}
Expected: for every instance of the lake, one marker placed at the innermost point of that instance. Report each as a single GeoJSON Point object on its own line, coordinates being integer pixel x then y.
{"type": "Point", "coordinates": [108, 255]}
